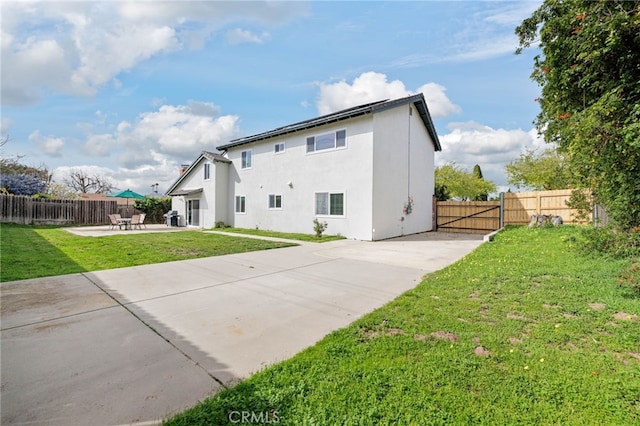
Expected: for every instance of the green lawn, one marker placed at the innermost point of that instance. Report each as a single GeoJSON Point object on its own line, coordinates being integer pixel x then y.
{"type": "Point", "coordinates": [525, 330]}
{"type": "Point", "coordinates": [288, 235]}
{"type": "Point", "coordinates": [31, 252]}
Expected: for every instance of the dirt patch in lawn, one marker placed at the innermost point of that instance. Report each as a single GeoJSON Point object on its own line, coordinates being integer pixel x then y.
{"type": "Point", "coordinates": [445, 335]}
{"type": "Point", "coordinates": [623, 316]}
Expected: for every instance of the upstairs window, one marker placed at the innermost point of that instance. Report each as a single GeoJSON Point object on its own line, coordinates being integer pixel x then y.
{"type": "Point", "coordinates": [278, 148]}
{"type": "Point", "coordinates": [247, 161]}
{"type": "Point", "coordinates": [207, 171]}
{"type": "Point", "coordinates": [325, 141]}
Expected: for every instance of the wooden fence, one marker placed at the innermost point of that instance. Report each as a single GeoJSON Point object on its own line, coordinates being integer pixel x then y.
{"type": "Point", "coordinates": [30, 211]}
{"type": "Point", "coordinates": [469, 217]}
{"type": "Point", "coordinates": [513, 208]}
{"type": "Point", "coordinates": [518, 207]}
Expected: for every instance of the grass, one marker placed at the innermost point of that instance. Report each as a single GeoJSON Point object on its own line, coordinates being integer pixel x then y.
{"type": "Point", "coordinates": [524, 330]}
{"type": "Point", "coordinates": [287, 235]}
{"type": "Point", "coordinates": [32, 252]}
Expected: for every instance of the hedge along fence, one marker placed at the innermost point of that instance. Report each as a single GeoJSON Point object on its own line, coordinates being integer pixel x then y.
{"type": "Point", "coordinates": [39, 211]}
{"type": "Point", "coordinates": [513, 208]}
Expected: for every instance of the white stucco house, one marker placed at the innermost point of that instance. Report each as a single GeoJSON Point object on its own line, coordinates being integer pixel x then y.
{"type": "Point", "coordinates": [368, 171]}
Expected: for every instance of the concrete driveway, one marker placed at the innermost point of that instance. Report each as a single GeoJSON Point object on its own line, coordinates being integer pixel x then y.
{"type": "Point", "coordinates": [135, 345]}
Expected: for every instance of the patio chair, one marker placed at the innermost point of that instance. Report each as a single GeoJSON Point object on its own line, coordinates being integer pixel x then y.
{"type": "Point", "coordinates": [115, 221]}
{"type": "Point", "coordinates": [142, 216]}
{"type": "Point", "coordinates": [135, 221]}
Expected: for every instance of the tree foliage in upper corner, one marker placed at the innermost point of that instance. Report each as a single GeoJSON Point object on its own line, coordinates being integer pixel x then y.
{"type": "Point", "coordinates": [589, 71]}
{"type": "Point", "coordinates": [540, 171]}
{"type": "Point", "coordinates": [452, 181]}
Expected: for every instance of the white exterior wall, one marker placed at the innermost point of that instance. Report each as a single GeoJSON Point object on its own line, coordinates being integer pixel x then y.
{"type": "Point", "coordinates": [221, 173]}
{"type": "Point", "coordinates": [403, 161]}
{"type": "Point", "coordinates": [212, 198]}
{"type": "Point", "coordinates": [344, 170]}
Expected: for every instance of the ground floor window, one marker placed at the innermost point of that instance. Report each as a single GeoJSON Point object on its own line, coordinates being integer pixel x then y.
{"type": "Point", "coordinates": [329, 204]}
{"type": "Point", "coordinates": [275, 201]}
{"type": "Point", "coordinates": [241, 204]}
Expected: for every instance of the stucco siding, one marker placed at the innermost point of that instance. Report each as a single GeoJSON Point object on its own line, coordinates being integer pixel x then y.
{"type": "Point", "coordinates": [221, 193]}
{"type": "Point", "coordinates": [297, 176]}
{"type": "Point", "coordinates": [403, 158]}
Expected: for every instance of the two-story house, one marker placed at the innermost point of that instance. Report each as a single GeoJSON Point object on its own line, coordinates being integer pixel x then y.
{"type": "Point", "coordinates": [368, 171]}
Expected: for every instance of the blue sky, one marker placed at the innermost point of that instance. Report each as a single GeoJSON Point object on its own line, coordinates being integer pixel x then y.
{"type": "Point", "coordinates": [131, 90]}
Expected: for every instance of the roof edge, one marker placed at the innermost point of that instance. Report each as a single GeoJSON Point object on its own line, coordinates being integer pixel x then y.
{"type": "Point", "coordinates": [417, 99]}
{"type": "Point", "coordinates": [211, 156]}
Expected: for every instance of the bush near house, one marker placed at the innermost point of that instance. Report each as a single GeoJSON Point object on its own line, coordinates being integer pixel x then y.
{"type": "Point", "coordinates": [154, 208]}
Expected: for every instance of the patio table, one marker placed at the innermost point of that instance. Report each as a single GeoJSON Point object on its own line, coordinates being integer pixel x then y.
{"type": "Point", "coordinates": [127, 222]}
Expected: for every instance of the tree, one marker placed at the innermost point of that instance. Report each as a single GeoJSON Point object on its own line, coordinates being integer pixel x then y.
{"type": "Point", "coordinates": [540, 171]}
{"type": "Point", "coordinates": [455, 182]}
{"type": "Point", "coordinates": [80, 181]}
{"type": "Point", "coordinates": [58, 190]}
{"type": "Point", "coordinates": [441, 192]}
{"type": "Point", "coordinates": [590, 103]}
{"type": "Point", "coordinates": [477, 172]}
{"type": "Point", "coordinates": [19, 179]}
{"type": "Point", "coordinates": [22, 184]}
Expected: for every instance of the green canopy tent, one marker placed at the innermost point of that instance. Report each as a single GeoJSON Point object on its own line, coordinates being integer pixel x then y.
{"type": "Point", "coordinates": [128, 194]}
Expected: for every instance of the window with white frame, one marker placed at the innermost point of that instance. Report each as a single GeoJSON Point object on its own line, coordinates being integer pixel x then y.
{"type": "Point", "coordinates": [278, 148]}
{"type": "Point", "coordinates": [241, 204]}
{"type": "Point", "coordinates": [247, 160]}
{"type": "Point", "coordinates": [207, 171]}
{"type": "Point", "coordinates": [275, 201]}
{"type": "Point", "coordinates": [329, 204]}
{"type": "Point", "coordinates": [326, 141]}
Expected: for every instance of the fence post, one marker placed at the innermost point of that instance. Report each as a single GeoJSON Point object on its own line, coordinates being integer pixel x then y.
{"type": "Point", "coordinates": [501, 220]}
{"type": "Point", "coordinates": [434, 213]}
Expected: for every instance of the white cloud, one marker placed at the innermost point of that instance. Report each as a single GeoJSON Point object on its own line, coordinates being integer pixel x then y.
{"type": "Point", "coordinates": [180, 131]}
{"type": "Point", "coordinates": [238, 35]}
{"type": "Point", "coordinates": [372, 86]}
{"type": "Point", "coordinates": [49, 145]}
{"type": "Point", "coordinates": [511, 14]}
{"type": "Point", "coordinates": [483, 32]}
{"type": "Point", "coordinates": [77, 47]}
{"type": "Point", "coordinates": [151, 148]}
{"type": "Point", "coordinates": [439, 104]}
{"type": "Point", "coordinates": [99, 145]}
{"type": "Point", "coordinates": [472, 143]}
{"type": "Point", "coordinates": [368, 87]}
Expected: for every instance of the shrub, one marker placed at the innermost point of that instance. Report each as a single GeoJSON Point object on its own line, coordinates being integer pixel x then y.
{"type": "Point", "coordinates": [319, 227]}
{"type": "Point", "coordinates": [610, 240]}
{"type": "Point", "coordinates": [22, 184]}
{"type": "Point", "coordinates": [154, 207]}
